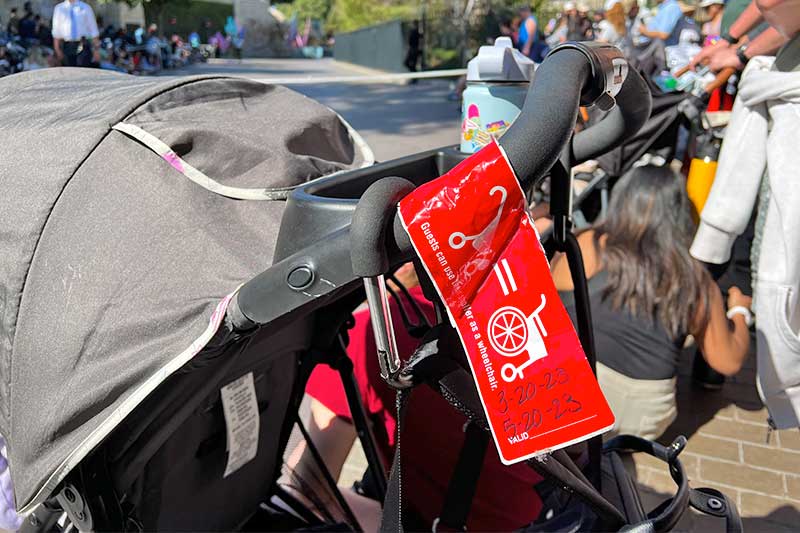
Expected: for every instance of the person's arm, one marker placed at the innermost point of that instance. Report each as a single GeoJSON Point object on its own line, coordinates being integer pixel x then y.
{"type": "Point", "coordinates": [333, 437]}
{"type": "Point", "coordinates": [58, 49]}
{"type": "Point", "coordinates": [94, 33]}
{"type": "Point", "coordinates": [723, 342]}
{"type": "Point", "coordinates": [530, 26]}
{"type": "Point", "coordinates": [653, 34]}
{"type": "Point", "coordinates": [736, 36]}
{"type": "Point", "coordinates": [663, 24]}
{"type": "Point", "coordinates": [748, 20]}
{"type": "Point", "coordinates": [767, 43]}
{"type": "Point", "coordinates": [58, 33]}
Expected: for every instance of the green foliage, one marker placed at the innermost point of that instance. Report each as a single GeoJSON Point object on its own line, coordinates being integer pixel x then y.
{"type": "Point", "coordinates": [443, 58]}
{"type": "Point", "coordinates": [349, 15]}
{"type": "Point", "coordinates": [314, 9]}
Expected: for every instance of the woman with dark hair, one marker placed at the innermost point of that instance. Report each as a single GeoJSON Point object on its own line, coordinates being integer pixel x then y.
{"type": "Point", "coordinates": [647, 295]}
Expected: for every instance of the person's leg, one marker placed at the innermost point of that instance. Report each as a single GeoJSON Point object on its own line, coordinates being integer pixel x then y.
{"type": "Point", "coordinates": [84, 58]}
{"type": "Point", "coordinates": [333, 437]}
{"type": "Point", "coordinates": [641, 407]}
{"type": "Point", "coordinates": [70, 55]}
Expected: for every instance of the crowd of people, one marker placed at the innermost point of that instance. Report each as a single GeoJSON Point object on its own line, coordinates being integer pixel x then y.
{"type": "Point", "coordinates": [74, 36]}
{"type": "Point", "coordinates": [622, 23]}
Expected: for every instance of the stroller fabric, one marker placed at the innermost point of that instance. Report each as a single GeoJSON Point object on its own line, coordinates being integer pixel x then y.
{"type": "Point", "coordinates": [114, 266]}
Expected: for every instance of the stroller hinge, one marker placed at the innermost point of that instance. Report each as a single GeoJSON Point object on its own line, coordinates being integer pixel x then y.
{"type": "Point", "coordinates": [74, 505]}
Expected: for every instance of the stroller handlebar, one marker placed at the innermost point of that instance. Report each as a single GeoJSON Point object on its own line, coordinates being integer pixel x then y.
{"type": "Point", "coordinates": [310, 273]}
{"type": "Point", "coordinates": [572, 75]}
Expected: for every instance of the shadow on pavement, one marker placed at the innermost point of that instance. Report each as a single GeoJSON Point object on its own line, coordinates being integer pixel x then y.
{"type": "Point", "coordinates": [697, 406]}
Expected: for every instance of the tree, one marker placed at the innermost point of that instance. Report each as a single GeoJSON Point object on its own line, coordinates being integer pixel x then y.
{"type": "Point", "coordinates": [155, 8]}
{"type": "Point", "coordinates": [348, 15]}
{"type": "Point", "coordinates": [304, 9]}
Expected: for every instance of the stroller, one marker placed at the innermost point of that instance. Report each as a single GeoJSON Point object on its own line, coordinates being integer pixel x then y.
{"type": "Point", "coordinates": [139, 293]}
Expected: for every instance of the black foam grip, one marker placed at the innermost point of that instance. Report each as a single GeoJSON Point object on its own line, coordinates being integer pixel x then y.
{"type": "Point", "coordinates": [534, 142]}
{"type": "Point", "coordinates": [634, 103]}
{"type": "Point", "coordinates": [368, 228]}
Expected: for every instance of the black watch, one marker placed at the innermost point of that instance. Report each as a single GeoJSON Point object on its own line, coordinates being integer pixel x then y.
{"type": "Point", "coordinates": [730, 38]}
{"type": "Point", "coordinates": [740, 53]}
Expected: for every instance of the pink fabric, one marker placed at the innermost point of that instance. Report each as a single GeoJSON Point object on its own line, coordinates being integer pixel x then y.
{"type": "Point", "coordinates": [9, 519]}
{"type": "Point", "coordinates": [173, 159]}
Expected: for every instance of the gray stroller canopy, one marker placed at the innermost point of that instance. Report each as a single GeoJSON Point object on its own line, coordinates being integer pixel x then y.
{"type": "Point", "coordinates": [129, 209]}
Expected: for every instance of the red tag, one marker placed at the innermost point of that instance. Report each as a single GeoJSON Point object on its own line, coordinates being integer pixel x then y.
{"type": "Point", "coordinates": [476, 240]}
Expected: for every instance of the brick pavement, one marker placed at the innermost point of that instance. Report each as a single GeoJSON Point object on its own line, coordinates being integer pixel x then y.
{"type": "Point", "coordinates": [728, 450]}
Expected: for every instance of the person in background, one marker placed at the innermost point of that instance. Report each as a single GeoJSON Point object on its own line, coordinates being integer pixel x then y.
{"type": "Point", "coordinates": [27, 24]}
{"type": "Point", "coordinates": [13, 22]}
{"type": "Point", "coordinates": [579, 28]}
{"type": "Point", "coordinates": [43, 32]}
{"type": "Point", "coordinates": [647, 295]}
{"type": "Point", "coordinates": [757, 174]}
{"type": "Point", "coordinates": [663, 24]}
{"type": "Point", "coordinates": [739, 43]}
{"type": "Point", "coordinates": [414, 48]}
{"type": "Point", "coordinates": [612, 28]}
{"type": "Point", "coordinates": [238, 42]}
{"type": "Point", "coordinates": [75, 35]}
{"type": "Point", "coordinates": [713, 11]}
{"type": "Point", "coordinates": [559, 33]}
{"type": "Point", "coordinates": [598, 16]}
{"type": "Point", "coordinates": [506, 30]}
{"type": "Point", "coordinates": [529, 41]}
{"type": "Point", "coordinates": [633, 23]}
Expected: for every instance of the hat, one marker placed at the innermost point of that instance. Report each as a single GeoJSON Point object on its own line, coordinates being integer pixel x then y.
{"type": "Point", "coordinates": [569, 6]}
{"type": "Point", "coordinates": [686, 8]}
{"type": "Point", "coordinates": [583, 8]}
{"type": "Point", "coordinates": [707, 3]}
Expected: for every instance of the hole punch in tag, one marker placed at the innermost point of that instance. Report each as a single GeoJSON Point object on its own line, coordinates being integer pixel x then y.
{"type": "Point", "coordinates": [473, 234]}
{"type": "Point", "coordinates": [240, 407]}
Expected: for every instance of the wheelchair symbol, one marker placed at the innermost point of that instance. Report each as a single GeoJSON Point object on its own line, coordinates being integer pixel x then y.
{"type": "Point", "coordinates": [458, 240]}
{"type": "Point", "coordinates": [511, 333]}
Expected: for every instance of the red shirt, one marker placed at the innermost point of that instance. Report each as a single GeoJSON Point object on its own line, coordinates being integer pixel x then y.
{"type": "Point", "coordinates": [432, 435]}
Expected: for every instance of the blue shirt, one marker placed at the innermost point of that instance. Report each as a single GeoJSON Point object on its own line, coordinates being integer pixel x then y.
{"type": "Point", "coordinates": [523, 31]}
{"type": "Point", "coordinates": [667, 16]}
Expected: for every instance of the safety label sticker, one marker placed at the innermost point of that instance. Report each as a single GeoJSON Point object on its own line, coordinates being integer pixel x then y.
{"type": "Point", "coordinates": [472, 231]}
{"type": "Point", "coordinates": [240, 406]}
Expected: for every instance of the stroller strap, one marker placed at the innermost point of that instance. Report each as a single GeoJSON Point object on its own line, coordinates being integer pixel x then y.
{"type": "Point", "coordinates": [168, 154]}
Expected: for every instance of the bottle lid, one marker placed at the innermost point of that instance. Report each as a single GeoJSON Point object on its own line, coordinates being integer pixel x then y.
{"type": "Point", "coordinates": [500, 62]}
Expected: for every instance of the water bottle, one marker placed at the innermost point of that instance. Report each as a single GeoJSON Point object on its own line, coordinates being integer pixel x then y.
{"type": "Point", "coordinates": [497, 82]}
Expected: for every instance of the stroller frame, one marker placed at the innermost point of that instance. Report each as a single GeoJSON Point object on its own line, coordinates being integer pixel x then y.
{"type": "Point", "coordinates": [323, 256]}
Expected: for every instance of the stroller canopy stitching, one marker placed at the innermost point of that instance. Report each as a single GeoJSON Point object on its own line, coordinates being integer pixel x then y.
{"type": "Point", "coordinates": [111, 263]}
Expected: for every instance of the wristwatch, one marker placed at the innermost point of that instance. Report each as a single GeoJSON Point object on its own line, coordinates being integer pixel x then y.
{"type": "Point", "coordinates": [741, 310]}
{"type": "Point", "coordinates": [730, 38]}
{"type": "Point", "coordinates": [740, 53]}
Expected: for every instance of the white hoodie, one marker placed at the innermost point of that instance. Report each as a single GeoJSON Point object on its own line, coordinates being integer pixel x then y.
{"type": "Point", "coordinates": [764, 134]}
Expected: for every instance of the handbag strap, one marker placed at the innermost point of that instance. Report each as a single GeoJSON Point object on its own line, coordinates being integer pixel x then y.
{"type": "Point", "coordinates": [667, 515]}
{"type": "Point", "coordinates": [713, 502]}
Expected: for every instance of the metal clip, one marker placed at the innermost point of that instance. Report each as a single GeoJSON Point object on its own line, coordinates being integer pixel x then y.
{"type": "Point", "coordinates": [383, 329]}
